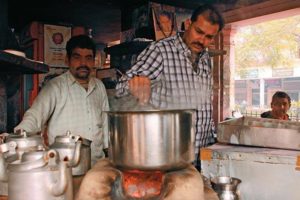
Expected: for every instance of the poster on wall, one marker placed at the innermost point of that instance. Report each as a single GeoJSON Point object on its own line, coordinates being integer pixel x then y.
{"type": "Point", "coordinates": [182, 15]}
{"type": "Point", "coordinates": [55, 39]}
{"type": "Point", "coordinates": [164, 20]}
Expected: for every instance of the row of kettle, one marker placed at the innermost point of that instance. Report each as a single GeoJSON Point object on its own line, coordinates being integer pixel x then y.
{"type": "Point", "coordinates": [28, 167]}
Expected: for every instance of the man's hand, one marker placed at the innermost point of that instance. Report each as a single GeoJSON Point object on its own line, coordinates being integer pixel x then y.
{"type": "Point", "coordinates": [140, 87]}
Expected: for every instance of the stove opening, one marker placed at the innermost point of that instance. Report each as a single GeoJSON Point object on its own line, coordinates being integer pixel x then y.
{"type": "Point", "coordinates": [142, 184]}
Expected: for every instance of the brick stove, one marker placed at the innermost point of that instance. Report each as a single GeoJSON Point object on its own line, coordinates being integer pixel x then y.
{"type": "Point", "coordinates": [104, 181]}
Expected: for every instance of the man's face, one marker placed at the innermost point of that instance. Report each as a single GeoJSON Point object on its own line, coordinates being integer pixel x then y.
{"type": "Point", "coordinates": [81, 63]}
{"type": "Point", "coordinates": [280, 106]}
{"type": "Point", "coordinates": [200, 34]}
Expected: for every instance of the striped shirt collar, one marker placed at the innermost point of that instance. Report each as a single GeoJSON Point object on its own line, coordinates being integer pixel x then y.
{"type": "Point", "coordinates": [181, 44]}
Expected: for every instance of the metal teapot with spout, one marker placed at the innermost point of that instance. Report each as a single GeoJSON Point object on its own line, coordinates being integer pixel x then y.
{"type": "Point", "coordinates": [74, 149]}
{"type": "Point", "coordinates": [40, 175]}
{"type": "Point", "coordinates": [12, 147]}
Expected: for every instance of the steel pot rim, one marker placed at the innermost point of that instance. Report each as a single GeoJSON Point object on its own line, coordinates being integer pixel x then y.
{"type": "Point", "coordinates": [146, 111]}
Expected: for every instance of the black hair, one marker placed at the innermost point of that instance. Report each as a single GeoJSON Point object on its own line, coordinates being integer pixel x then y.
{"type": "Point", "coordinates": [211, 14]}
{"type": "Point", "coordinates": [80, 41]}
{"type": "Point", "coordinates": [280, 94]}
{"type": "Point", "coordinates": [165, 13]}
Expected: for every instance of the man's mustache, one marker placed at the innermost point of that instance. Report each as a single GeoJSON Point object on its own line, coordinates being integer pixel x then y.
{"type": "Point", "coordinates": [83, 68]}
{"type": "Point", "coordinates": [199, 44]}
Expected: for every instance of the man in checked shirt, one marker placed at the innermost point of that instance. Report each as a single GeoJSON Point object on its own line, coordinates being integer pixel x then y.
{"type": "Point", "coordinates": [176, 72]}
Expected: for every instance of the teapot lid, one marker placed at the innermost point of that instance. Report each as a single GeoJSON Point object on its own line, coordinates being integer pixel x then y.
{"type": "Point", "coordinates": [25, 140]}
{"type": "Point", "coordinates": [34, 160]}
{"type": "Point", "coordinates": [67, 138]}
{"type": "Point", "coordinates": [23, 136]}
{"type": "Point", "coordinates": [70, 138]}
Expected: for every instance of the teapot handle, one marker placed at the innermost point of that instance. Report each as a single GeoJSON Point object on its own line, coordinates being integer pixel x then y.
{"type": "Point", "coordinates": [76, 155]}
{"type": "Point", "coordinates": [8, 147]}
{"type": "Point", "coordinates": [58, 187]}
{"type": "Point", "coordinates": [7, 155]}
{"type": "Point", "coordinates": [3, 169]}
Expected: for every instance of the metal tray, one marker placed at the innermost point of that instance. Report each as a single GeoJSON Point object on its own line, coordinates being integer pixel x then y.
{"type": "Point", "coordinates": [260, 132]}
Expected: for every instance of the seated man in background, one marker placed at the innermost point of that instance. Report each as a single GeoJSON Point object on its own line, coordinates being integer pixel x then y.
{"type": "Point", "coordinates": [281, 103]}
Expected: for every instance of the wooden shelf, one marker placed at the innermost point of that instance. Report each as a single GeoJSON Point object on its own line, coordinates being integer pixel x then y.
{"type": "Point", "coordinates": [125, 48]}
{"type": "Point", "coordinates": [12, 64]}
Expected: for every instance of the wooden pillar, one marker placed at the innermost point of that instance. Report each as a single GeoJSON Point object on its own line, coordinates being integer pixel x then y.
{"type": "Point", "coordinates": [228, 69]}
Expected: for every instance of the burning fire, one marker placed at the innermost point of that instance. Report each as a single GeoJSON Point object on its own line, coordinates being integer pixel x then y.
{"type": "Point", "coordinates": [142, 184]}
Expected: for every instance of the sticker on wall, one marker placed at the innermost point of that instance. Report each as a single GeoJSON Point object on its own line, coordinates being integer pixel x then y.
{"type": "Point", "coordinates": [55, 39]}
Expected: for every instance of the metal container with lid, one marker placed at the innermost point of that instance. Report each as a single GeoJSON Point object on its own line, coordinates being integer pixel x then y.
{"type": "Point", "coordinates": [260, 132]}
{"type": "Point", "coordinates": [74, 149]}
{"type": "Point", "coordinates": [40, 173]}
{"type": "Point", "coordinates": [14, 146]}
{"type": "Point", "coordinates": [26, 142]}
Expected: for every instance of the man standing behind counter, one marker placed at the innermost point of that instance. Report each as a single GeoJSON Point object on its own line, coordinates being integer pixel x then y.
{"type": "Point", "coordinates": [73, 101]}
{"type": "Point", "coordinates": [180, 73]}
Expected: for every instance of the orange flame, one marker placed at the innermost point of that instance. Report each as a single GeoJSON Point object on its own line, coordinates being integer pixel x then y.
{"type": "Point", "coordinates": [142, 184]}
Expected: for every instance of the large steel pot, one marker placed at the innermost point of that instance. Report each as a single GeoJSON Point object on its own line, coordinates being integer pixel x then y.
{"type": "Point", "coordinates": [40, 176]}
{"type": "Point", "coordinates": [74, 149]}
{"type": "Point", "coordinates": [151, 140]}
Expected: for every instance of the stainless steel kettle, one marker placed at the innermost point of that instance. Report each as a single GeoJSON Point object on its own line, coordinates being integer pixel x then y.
{"type": "Point", "coordinates": [74, 149]}
{"type": "Point", "coordinates": [12, 148]}
{"type": "Point", "coordinates": [40, 175]}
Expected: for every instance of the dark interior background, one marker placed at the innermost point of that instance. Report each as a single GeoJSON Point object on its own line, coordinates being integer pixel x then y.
{"type": "Point", "coordinates": [102, 16]}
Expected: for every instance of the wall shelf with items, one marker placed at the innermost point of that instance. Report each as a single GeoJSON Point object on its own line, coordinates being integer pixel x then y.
{"type": "Point", "coordinates": [123, 55]}
{"type": "Point", "coordinates": [13, 64]}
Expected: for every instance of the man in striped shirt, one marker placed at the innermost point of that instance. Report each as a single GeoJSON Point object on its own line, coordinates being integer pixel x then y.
{"type": "Point", "coordinates": [178, 72]}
